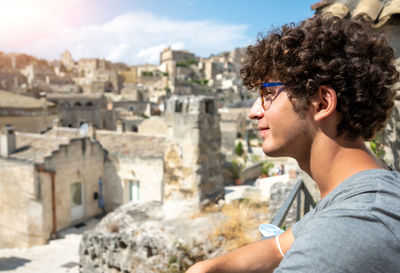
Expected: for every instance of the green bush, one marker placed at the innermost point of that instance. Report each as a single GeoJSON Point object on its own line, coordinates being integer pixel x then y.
{"type": "Point", "coordinates": [192, 61]}
{"type": "Point", "coordinates": [182, 64]}
{"type": "Point", "coordinates": [266, 167]}
{"type": "Point", "coordinates": [377, 147]}
{"type": "Point", "coordinates": [147, 74]}
{"type": "Point", "coordinates": [239, 149]}
{"type": "Point", "coordinates": [236, 169]}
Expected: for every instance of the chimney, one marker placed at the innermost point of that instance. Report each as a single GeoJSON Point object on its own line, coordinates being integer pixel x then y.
{"type": "Point", "coordinates": [7, 141]}
{"type": "Point", "coordinates": [120, 126]}
{"type": "Point", "coordinates": [56, 123]}
{"type": "Point", "coordinates": [92, 132]}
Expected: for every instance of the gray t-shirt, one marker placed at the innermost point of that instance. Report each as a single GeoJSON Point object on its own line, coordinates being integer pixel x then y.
{"type": "Point", "coordinates": [355, 228]}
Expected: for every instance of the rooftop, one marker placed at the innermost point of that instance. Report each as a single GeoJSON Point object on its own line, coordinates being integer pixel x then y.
{"type": "Point", "coordinates": [119, 144]}
{"type": "Point", "coordinates": [35, 147]}
{"type": "Point", "coordinates": [11, 100]}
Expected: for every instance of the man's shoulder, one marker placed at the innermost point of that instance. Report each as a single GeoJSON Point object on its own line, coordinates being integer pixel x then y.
{"type": "Point", "coordinates": [343, 244]}
{"type": "Point", "coordinates": [367, 199]}
{"type": "Point", "coordinates": [362, 192]}
{"type": "Point", "coordinates": [358, 223]}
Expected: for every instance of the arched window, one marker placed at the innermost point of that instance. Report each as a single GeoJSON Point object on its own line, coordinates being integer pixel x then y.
{"type": "Point", "coordinates": [77, 104]}
{"type": "Point", "coordinates": [108, 88]}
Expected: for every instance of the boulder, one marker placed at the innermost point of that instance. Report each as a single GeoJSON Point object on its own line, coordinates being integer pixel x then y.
{"type": "Point", "coordinates": [138, 237]}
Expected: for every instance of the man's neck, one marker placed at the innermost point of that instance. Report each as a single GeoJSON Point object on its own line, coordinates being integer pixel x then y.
{"type": "Point", "coordinates": [332, 161]}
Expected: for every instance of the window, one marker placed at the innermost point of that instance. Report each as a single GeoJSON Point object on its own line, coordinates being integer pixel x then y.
{"type": "Point", "coordinates": [134, 190]}
{"type": "Point", "coordinates": [76, 194]}
{"type": "Point", "coordinates": [210, 107]}
{"type": "Point", "coordinates": [178, 107]}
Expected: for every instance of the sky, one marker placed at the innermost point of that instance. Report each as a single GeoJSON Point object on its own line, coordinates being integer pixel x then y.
{"type": "Point", "coordinates": [136, 31]}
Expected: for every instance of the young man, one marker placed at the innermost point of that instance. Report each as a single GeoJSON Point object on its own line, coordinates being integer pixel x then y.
{"type": "Point", "coordinates": [325, 88]}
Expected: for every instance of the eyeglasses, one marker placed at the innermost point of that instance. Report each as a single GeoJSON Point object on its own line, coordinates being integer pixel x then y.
{"type": "Point", "coordinates": [269, 91]}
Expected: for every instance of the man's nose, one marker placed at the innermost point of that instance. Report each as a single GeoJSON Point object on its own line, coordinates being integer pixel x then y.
{"type": "Point", "coordinates": [256, 111]}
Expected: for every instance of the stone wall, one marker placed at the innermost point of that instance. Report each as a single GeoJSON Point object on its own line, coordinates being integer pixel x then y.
{"type": "Point", "coordinates": [390, 138]}
{"type": "Point", "coordinates": [20, 207]}
{"type": "Point", "coordinates": [149, 173]}
{"type": "Point", "coordinates": [32, 124]}
{"type": "Point", "coordinates": [113, 190]}
{"type": "Point", "coordinates": [154, 126]}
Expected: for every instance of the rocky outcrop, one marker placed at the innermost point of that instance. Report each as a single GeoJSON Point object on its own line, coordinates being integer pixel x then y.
{"type": "Point", "coordinates": [143, 237]}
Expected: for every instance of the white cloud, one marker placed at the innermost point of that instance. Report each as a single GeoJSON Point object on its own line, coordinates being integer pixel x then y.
{"type": "Point", "coordinates": [152, 53]}
{"type": "Point", "coordinates": [134, 38]}
{"type": "Point", "coordinates": [118, 52]}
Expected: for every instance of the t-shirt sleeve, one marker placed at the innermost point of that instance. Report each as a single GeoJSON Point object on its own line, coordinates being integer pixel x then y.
{"type": "Point", "coordinates": [338, 244]}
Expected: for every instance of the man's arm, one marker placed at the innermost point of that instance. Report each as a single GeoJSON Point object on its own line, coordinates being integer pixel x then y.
{"type": "Point", "coordinates": [262, 256]}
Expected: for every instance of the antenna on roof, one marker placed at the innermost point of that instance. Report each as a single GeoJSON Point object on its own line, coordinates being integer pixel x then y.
{"type": "Point", "coordinates": [83, 129]}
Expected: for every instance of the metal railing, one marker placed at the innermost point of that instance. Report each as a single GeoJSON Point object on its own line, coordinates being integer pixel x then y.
{"type": "Point", "coordinates": [295, 192]}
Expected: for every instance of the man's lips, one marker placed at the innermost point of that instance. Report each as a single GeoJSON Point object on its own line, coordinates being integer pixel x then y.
{"type": "Point", "coordinates": [263, 131]}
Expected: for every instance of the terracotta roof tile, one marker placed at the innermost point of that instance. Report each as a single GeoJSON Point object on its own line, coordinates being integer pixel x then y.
{"type": "Point", "coordinates": [380, 11]}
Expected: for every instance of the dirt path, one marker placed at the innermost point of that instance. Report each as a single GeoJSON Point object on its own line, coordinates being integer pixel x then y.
{"type": "Point", "coordinates": [59, 256]}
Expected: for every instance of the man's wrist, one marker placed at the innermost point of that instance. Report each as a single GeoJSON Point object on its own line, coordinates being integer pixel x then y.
{"type": "Point", "coordinates": [202, 267]}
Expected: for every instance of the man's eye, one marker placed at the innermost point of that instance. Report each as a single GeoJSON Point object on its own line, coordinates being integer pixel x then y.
{"type": "Point", "coordinates": [268, 95]}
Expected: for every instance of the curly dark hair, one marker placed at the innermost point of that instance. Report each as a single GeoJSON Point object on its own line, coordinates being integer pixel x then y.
{"type": "Point", "coordinates": [346, 54]}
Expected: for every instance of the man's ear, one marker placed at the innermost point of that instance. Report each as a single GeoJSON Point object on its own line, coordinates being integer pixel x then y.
{"type": "Point", "coordinates": [324, 102]}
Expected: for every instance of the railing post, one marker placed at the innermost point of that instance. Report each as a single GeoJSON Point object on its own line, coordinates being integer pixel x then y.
{"type": "Point", "coordinates": [307, 203]}
{"type": "Point", "coordinates": [282, 212]}
{"type": "Point", "coordinates": [298, 216]}
{"type": "Point", "coordinates": [295, 192]}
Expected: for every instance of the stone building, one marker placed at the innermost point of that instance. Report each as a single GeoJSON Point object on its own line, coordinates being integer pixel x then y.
{"type": "Point", "coordinates": [36, 72]}
{"type": "Point", "coordinates": [384, 16]}
{"type": "Point", "coordinates": [67, 60]}
{"type": "Point", "coordinates": [26, 114]}
{"type": "Point", "coordinates": [233, 127]}
{"type": "Point", "coordinates": [87, 67]}
{"type": "Point", "coordinates": [193, 123]}
{"type": "Point", "coordinates": [47, 183]}
{"type": "Point", "coordinates": [75, 109]}
{"type": "Point", "coordinates": [106, 81]}
{"type": "Point", "coordinates": [51, 181]}
{"type": "Point", "coordinates": [11, 80]}
{"type": "Point", "coordinates": [129, 75]}
{"type": "Point", "coordinates": [192, 159]}
{"type": "Point", "coordinates": [169, 59]}
{"type": "Point", "coordinates": [134, 169]}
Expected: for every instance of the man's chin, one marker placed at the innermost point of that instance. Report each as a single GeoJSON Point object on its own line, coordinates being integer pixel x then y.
{"type": "Point", "coordinates": [272, 152]}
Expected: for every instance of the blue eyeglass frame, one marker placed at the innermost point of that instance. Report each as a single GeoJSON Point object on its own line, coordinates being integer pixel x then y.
{"type": "Point", "coordinates": [269, 84]}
